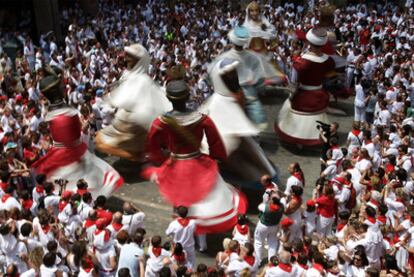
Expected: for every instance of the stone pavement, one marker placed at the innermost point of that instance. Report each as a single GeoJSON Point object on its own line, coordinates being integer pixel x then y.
{"type": "Point", "coordinates": [158, 214]}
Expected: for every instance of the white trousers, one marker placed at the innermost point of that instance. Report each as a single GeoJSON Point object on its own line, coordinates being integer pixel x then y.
{"type": "Point", "coordinates": [191, 256]}
{"type": "Point", "coordinates": [262, 234]}
{"type": "Point", "coordinates": [324, 225]}
{"type": "Point", "coordinates": [359, 114]}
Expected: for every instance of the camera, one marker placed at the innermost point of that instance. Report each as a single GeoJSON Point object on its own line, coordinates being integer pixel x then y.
{"type": "Point", "coordinates": [61, 182]}
{"type": "Point", "coordinates": [323, 126]}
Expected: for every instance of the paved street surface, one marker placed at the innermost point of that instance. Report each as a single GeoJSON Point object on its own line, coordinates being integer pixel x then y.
{"type": "Point", "coordinates": [145, 194]}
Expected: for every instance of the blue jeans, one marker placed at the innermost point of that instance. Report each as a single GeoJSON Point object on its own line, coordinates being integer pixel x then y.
{"type": "Point", "coordinates": [254, 108]}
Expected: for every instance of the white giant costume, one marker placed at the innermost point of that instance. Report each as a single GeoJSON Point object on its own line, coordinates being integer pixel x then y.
{"type": "Point", "coordinates": [139, 101]}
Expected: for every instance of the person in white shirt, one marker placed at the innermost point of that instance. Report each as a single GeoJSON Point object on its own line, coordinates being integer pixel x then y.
{"type": "Point", "coordinates": [132, 218]}
{"type": "Point", "coordinates": [85, 206]}
{"type": "Point", "coordinates": [49, 268]}
{"type": "Point", "coordinates": [182, 230]}
{"type": "Point", "coordinates": [331, 169]}
{"type": "Point", "coordinates": [132, 256]}
{"type": "Point", "coordinates": [354, 139]}
{"type": "Point", "coordinates": [284, 268]}
{"type": "Point", "coordinates": [296, 177]}
{"type": "Point", "coordinates": [51, 200]}
{"type": "Point", "coordinates": [158, 258]}
{"type": "Point", "coordinates": [360, 100]}
{"type": "Point", "coordinates": [364, 161]}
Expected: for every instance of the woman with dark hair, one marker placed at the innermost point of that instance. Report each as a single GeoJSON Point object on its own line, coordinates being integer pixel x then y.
{"type": "Point", "coordinates": [179, 257]}
{"type": "Point", "coordinates": [294, 212]}
{"type": "Point", "coordinates": [74, 258]}
{"type": "Point", "coordinates": [358, 263]}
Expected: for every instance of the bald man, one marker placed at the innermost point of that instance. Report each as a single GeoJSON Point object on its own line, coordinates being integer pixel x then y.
{"type": "Point", "coordinates": [116, 225]}
{"type": "Point", "coordinates": [284, 268]}
{"type": "Point", "coordinates": [132, 218]}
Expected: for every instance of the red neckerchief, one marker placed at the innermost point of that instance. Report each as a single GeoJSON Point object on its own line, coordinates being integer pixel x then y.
{"type": "Point", "coordinates": [249, 259]}
{"type": "Point", "coordinates": [89, 264]}
{"type": "Point", "coordinates": [117, 226]}
{"type": "Point", "coordinates": [273, 207]}
{"type": "Point", "coordinates": [5, 197]}
{"type": "Point", "coordinates": [399, 200]}
{"type": "Point", "coordinates": [62, 205]}
{"type": "Point", "coordinates": [180, 258]}
{"type": "Point", "coordinates": [89, 223]}
{"type": "Point", "coordinates": [356, 132]}
{"type": "Point", "coordinates": [107, 234]}
{"type": "Point", "coordinates": [4, 186]}
{"type": "Point", "coordinates": [305, 267]}
{"type": "Point", "coordinates": [269, 186]}
{"type": "Point", "coordinates": [340, 227]}
{"type": "Point", "coordinates": [371, 219]}
{"type": "Point", "coordinates": [368, 142]}
{"type": "Point", "coordinates": [318, 267]}
{"type": "Point", "coordinates": [27, 204]}
{"type": "Point", "coordinates": [382, 219]}
{"type": "Point", "coordinates": [298, 176]}
{"type": "Point", "coordinates": [183, 221]}
{"type": "Point", "coordinates": [297, 198]}
{"type": "Point", "coordinates": [333, 273]}
{"type": "Point", "coordinates": [334, 147]}
{"type": "Point", "coordinates": [374, 202]}
{"type": "Point", "coordinates": [156, 251]}
{"type": "Point", "coordinates": [242, 229]}
{"type": "Point", "coordinates": [285, 267]}
{"type": "Point", "coordinates": [389, 168]}
{"type": "Point", "coordinates": [81, 192]}
{"type": "Point", "coordinates": [40, 189]}
{"type": "Point", "coordinates": [45, 228]}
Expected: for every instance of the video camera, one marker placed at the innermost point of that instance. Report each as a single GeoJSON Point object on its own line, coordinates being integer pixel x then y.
{"type": "Point", "coordinates": [323, 126]}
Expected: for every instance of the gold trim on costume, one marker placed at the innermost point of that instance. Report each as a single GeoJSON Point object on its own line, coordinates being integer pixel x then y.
{"type": "Point", "coordinates": [51, 85]}
{"type": "Point", "coordinates": [178, 97]}
{"type": "Point", "coordinates": [187, 156]}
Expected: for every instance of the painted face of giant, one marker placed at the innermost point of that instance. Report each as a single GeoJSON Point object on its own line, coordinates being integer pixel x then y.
{"type": "Point", "coordinates": [131, 61]}
{"type": "Point", "coordinates": [254, 11]}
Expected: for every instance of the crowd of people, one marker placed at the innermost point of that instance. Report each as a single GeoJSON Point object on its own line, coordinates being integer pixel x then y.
{"type": "Point", "coordinates": [358, 222]}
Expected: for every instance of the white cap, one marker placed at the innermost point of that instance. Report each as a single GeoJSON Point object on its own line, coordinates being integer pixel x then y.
{"type": "Point", "coordinates": [317, 37]}
{"type": "Point", "coordinates": [136, 50]}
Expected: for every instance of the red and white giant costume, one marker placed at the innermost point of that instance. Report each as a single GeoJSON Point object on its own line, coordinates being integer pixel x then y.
{"type": "Point", "coordinates": [298, 116]}
{"type": "Point", "coordinates": [70, 159]}
{"type": "Point", "coordinates": [189, 178]}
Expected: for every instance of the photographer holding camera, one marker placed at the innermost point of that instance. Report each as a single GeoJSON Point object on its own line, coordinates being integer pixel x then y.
{"type": "Point", "coordinates": [326, 132]}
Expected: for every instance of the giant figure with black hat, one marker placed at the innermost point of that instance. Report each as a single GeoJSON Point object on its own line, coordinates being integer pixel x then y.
{"type": "Point", "coordinates": [139, 101]}
{"type": "Point", "coordinates": [185, 176]}
{"type": "Point", "coordinates": [297, 118]}
{"type": "Point", "coordinates": [69, 157]}
{"type": "Point", "coordinates": [246, 161]}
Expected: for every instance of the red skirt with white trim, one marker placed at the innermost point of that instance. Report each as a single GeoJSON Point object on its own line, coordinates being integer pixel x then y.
{"type": "Point", "coordinates": [197, 184]}
{"type": "Point", "coordinates": [76, 163]}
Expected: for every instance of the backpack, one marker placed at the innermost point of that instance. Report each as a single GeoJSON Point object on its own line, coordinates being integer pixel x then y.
{"type": "Point", "coordinates": [352, 201]}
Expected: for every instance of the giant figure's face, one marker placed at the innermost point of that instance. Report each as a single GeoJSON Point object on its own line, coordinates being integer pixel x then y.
{"type": "Point", "coordinates": [131, 61]}
{"type": "Point", "coordinates": [254, 12]}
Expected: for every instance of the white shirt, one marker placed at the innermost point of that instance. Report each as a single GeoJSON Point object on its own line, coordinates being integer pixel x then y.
{"type": "Point", "coordinates": [133, 222]}
{"type": "Point", "coordinates": [9, 204]}
{"type": "Point", "coordinates": [292, 181]}
{"type": "Point", "coordinates": [129, 258]}
{"type": "Point", "coordinates": [182, 234]}
{"type": "Point", "coordinates": [359, 97]}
